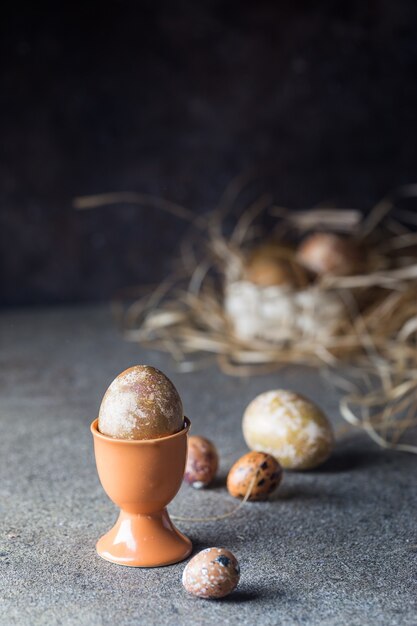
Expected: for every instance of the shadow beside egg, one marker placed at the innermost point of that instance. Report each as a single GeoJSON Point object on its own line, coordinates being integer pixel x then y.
{"type": "Point", "coordinates": [348, 460]}
{"type": "Point", "coordinates": [241, 595]}
{"type": "Point", "coordinates": [219, 482]}
{"type": "Point", "coordinates": [254, 592]}
{"type": "Point", "coordinates": [296, 492]}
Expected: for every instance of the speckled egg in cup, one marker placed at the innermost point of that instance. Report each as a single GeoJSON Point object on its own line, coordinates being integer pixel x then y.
{"type": "Point", "coordinates": [141, 403]}
{"type": "Point", "coordinates": [289, 427]}
{"type": "Point", "coordinates": [212, 573]}
{"type": "Point", "coordinates": [140, 447]}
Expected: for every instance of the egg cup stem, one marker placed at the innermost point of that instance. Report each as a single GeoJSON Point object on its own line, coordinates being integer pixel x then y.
{"type": "Point", "coordinates": [144, 541]}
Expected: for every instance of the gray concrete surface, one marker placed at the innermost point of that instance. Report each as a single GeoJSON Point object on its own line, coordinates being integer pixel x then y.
{"type": "Point", "coordinates": [335, 546]}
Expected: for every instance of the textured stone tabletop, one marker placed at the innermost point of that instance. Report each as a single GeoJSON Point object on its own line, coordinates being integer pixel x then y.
{"type": "Point", "coordinates": [334, 546]}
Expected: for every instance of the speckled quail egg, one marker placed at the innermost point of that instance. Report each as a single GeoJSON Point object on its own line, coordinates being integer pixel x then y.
{"type": "Point", "coordinates": [202, 462]}
{"type": "Point", "coordinates": [212, 573]}
{"type": "Point", "coordinates": [255, 471]}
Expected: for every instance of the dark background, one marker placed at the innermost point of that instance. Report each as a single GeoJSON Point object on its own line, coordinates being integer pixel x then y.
{"type": "Point", "coordinates": [175, 99]}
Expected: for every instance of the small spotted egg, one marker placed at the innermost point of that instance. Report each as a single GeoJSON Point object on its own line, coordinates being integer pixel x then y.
{"type": "Point", "coordinates": [255, 471]}
{"type": "Point", "coordinates": [202, 462]}
{"type": "Point", "coordinates": [212, 573]}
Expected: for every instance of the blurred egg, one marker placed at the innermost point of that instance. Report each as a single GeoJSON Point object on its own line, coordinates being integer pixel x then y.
{"type": "Point", "coordinates": [202, 462]}
{"type": "Point", "coordinates": [290, 428]}
{"type": "Point", "coordinates": [141, 403]}
{"type": "Point", "coordinates": [257, 471]}
{"type": "Point", "coordinates": [266, 272]}
{"type": "Point", "coordinates": [212, 573]}
{"type": "Point", "coordinates": [328, 253]}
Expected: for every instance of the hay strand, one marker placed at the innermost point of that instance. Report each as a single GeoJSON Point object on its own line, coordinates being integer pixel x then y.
{"type": "Point", "coordinates": [215, 518]}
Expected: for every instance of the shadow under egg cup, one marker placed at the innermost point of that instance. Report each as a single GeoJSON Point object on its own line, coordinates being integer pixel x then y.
{"type": "Point", "coordinates": [142, 477]}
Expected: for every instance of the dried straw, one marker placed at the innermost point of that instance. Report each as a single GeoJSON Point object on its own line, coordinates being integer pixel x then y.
{"type": "Point", "coordinates": [371, 356]}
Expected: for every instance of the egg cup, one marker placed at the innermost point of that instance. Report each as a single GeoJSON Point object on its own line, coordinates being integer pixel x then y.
{"type": "Point", "coordinates": [142, 477]}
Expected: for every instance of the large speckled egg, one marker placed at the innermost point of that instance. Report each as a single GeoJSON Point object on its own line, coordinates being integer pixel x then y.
{"type": "Point", "coordinates": [328, 253]}
{"type": "Point", "coordinates": [202, 462]}
{"type": "Point", "coordinates": [141, 403]}
{"type": "Point", "coordinates": [290, 428]}
{"type": "Point", "coordinates": [256, 473]}
{"type": "Point", "coordinates": [212, 573]}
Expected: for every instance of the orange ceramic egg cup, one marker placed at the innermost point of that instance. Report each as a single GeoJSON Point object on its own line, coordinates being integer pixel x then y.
{"type": "Point", "coordinates": [142, 477]}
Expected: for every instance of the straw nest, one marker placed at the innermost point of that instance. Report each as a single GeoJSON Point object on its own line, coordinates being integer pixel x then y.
{"type": "Point", "coordinates": [254, 302]}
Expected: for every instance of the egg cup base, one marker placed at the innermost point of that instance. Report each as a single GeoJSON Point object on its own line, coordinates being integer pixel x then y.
{"type": "Point", "coordinates": [144, 541]}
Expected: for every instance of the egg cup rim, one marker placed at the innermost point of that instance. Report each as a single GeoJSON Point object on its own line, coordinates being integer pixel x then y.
{"type": "Point", "coordinates": [96, 433]}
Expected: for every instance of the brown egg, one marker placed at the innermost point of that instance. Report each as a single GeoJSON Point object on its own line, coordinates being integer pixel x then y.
{"type": "Point", "coordinates": [328, 253]}
{"type": "Point", "coordinates": [202, 462]}
{"type": "Point", "coordinates": [141, 403]}
{"type": "Point", "coordinates": [258, 469]}
{"type": "Point", "coordinates": [212, 573]}
{"type": "Point", "coordinates": [265, 271]}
